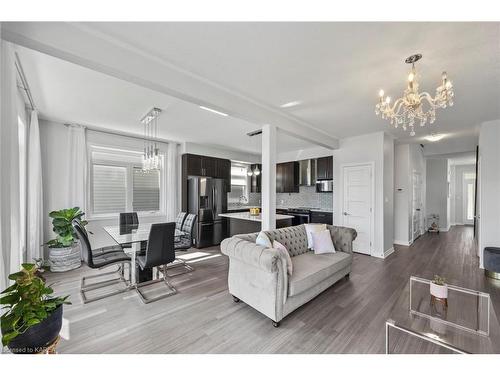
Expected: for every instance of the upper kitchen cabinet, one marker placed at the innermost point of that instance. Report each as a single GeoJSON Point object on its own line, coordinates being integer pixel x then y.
{"type": "Point", "coordinates": [324, 168]}
{"type": "Point", "coordinates": [199, 165]}
{"type": "Point", "coordinates": [287, 177]}
{"type": "Point", "coordinates": [223, 170]}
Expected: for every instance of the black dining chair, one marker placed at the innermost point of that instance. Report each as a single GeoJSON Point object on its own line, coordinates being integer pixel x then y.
{"type": "Point", "coordinates": [99, 259]}
{"type": "Point", "coordinates": [129, 218]}
{"type": "Point", "coordinates": [159, 253]}
{"type": "Point", "coordinates": [185, 242]}
{"type": "Point", "coordinates": [128, 222]}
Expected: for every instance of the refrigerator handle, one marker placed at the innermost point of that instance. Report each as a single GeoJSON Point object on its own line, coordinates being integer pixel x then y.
{"type": "Point", "coordinates": [214, 205]}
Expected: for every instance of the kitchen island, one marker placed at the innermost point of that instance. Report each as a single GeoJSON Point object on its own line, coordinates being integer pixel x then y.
{"type": "Point", "coordinates": [243, 222]}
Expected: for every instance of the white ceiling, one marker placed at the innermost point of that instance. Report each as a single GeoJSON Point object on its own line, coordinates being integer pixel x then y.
{"type": "Point", "coordinates": [68, 93]}
{"type": "Point", "coordinates": [334, 69]}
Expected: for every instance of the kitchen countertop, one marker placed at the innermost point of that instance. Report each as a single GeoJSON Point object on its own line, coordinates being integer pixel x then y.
{"type": "Point", "coordinates": [247, 207]}
{"type": "Point", "coordinates": [247, 216]}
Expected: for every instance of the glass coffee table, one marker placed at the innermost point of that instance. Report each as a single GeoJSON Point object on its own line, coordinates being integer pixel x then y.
{"type": "Point", "coordinates": [466, 323]}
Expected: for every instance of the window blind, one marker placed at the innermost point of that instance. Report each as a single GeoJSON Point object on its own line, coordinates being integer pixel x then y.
{"type": "Point", "coordinates": [109, 189]}
{"type": "Point", "coordinates": [146, 190]}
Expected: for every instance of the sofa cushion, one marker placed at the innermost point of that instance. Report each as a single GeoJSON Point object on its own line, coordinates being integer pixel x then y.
{"type": "Point", "coordinates": [310, 269]}
{"type": "Point", "coordinates": [293, 238]}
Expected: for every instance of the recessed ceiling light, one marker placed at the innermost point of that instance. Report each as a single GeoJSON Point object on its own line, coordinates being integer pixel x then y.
{"type": "Point", "coordinates": [214, 111]}
{"type": "Point", "coordinates": [435, 137]}
{"type": "Point", "coordinates": [291, 104]}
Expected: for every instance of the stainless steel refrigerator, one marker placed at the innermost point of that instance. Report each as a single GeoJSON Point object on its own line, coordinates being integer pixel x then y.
{"type": "Point", "coordinates": [207, 198]}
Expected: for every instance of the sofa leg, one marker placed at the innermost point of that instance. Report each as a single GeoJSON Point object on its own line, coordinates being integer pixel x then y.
{"type": "Point", "coordinates": [236, 299]}
{"type": "Point", "coordinates": [276, 324]}
{"type": "Point", "coordinates": [347, 276]}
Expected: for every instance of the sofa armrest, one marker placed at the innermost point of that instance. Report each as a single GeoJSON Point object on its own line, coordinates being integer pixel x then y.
{"type": "Point", "coordinates": [342, 237]}
{"type": "Point", "coordinates": [250, 253]}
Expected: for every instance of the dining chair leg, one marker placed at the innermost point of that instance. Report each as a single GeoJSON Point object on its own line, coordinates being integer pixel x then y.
{"type": "Point", "coordinates": [164, 279]}
{"type": "Point", "coordinates": [87, 287]}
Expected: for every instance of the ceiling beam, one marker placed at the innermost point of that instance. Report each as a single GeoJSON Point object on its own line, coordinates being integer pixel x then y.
{"type": "Point", "coordinates": [87, 47]}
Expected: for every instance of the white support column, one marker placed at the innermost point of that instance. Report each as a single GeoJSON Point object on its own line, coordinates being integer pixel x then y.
{"type": "Point", "coordinates": [268, 177]}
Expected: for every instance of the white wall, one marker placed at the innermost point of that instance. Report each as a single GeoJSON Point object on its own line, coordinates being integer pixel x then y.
{"type": "Point", "coordinates": [437, 175]}
{"type": "Point", "coordinates": [388, 193]}
{"type": "Point", "coordinates": [306, 153]}
{"type": "Point", "coordinates": [489, 177]}
{"type": "Point", "coordinates": [199, 149]}
{"type": "Point", "coordinates": [364, 149]}
{"type": "Point", "coordinates": [409, 159]}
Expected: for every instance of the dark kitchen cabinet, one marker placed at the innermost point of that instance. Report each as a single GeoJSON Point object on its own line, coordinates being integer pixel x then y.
{"type": "Point", "coordinates": [321, 217]}
{"type": "Point", "coordinates": [287, 177]}
{"type": "Point", "coordinates": [256, 181]}
{"type": "Point", "coordinates": [324, 168]}
{"type": "Point", "coordinates": [199, 165]}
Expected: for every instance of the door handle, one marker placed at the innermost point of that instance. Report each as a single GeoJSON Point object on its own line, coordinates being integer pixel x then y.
{"type": "Point", "coordinates": [417, 209]}
{"type": "Point", "coordinates": [345, 213]}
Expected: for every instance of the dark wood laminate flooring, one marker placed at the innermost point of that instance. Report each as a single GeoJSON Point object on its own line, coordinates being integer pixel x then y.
{"type": "Point", "coordinates": [202, 318]}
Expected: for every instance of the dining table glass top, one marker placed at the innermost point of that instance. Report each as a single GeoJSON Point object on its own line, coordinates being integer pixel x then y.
{"type": "Point", "coordinates": [124, 234]}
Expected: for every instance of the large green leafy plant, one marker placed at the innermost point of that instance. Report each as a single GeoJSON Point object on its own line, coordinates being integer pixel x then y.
{"type": "Point", "coordinates": [62, 226]}
{"type": "Point", "coordinates": [28, 302]}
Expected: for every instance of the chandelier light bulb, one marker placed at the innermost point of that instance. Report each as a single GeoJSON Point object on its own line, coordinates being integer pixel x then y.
{"type": "Point", "coordinates": [411, 77]}
{"type": "Point", "coordinates": [381, 93]}
{"type": "Point", "coordinates": [448, 85]}
{"type": "Point", "coordinates": [388, 99]}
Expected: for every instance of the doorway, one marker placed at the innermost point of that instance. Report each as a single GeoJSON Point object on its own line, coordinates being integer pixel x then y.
{"type": "Point", "coordinates": [358, 204]}
{"type": "Point", "coordinates": [469, 193]}
{"type": "Point", "coordinates": [417, 206]}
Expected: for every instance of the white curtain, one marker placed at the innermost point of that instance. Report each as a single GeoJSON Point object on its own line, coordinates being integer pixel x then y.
{"type": "Point", "coordinates": [35, 212]}
{"type": "Point", "coordinates": [172, 182]}
{"type": "Point", "coordinates": [9, 168]}
{"type": "Point", "coordinates": [77, 171]}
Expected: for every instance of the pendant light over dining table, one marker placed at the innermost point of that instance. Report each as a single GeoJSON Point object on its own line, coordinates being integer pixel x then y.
{"type": "Point", "coordinates": [151, 154]}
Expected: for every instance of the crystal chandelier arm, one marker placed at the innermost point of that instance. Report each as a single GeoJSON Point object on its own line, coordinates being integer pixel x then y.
{"type": "Point", "coordinates": [432, 101]}
{"type": "Point", "coordinates": [396, 108]}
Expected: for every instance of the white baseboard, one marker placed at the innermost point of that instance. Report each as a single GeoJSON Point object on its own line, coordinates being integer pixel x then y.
{"type": "Point", "coordinates": [388, 252]}
{"type": "Point", "coordinates": [402, 243]}
{"type": "Point", "coordinates": [444, 229]}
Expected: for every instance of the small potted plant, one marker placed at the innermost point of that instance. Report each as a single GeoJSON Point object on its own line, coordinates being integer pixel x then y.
{"type": "Point", "coordinates": [438, 288]}
{"type": "Point", "coordinates": [33, 318]}
{"type": "Point", "coordinates": [64, 253]}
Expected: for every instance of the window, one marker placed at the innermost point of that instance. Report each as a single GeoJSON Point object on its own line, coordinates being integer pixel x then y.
{"type": "Point", "coordinates": [146, 190]}
{"type": "Point", "coordinates": [239, 184]}
{"type": "Point", "coordinates": [118, 184]}
{"type": "Point", "coordinates": [110, 189]}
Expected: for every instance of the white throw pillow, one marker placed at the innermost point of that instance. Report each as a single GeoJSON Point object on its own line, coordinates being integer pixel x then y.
{"type": "Point", "coordinates": [310, 228]}
{"type": "Point", "coordinates": [289, 265]}
{"type": "Point", "coordinates": [263, 240]}
{"type": "Point", "coordinates": [323, 243]}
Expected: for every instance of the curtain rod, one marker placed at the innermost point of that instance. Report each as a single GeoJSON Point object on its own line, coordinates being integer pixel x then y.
{"type": "Point", "coordinates": [125, 134]}
{"type": "Point", "coordinates": [24, 81]}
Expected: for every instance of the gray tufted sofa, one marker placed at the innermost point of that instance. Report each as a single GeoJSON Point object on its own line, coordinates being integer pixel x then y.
{"type": "Point", "coordinates": [257, 275]}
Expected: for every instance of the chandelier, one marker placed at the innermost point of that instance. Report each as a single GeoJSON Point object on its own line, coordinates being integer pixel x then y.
{"type": "Point", "coordinates": [151, 156]}
{"type": "Point", "coordinates": [414, 106]}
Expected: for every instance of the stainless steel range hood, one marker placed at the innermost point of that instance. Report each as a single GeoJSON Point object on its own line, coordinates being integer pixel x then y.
{"type": "Point", "coordinates": [307, 172]}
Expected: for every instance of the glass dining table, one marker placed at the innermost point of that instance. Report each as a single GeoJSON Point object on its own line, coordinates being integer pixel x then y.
{"type": "Point", "coordinates": [133, 235]}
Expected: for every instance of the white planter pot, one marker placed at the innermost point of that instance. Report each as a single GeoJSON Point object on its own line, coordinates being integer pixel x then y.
{"type": "Point", "coordinates": [64, 259]}
{"type": "Point", "coordinates": [439, 291]}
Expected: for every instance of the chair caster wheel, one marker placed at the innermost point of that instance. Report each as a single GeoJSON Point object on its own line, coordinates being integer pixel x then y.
{"type": "Point", "coordinates": [276, 324]}
{"type": "Point", "coordinates": [236, 299]}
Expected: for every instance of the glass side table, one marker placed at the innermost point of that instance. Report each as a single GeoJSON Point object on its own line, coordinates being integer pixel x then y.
{"type": "Point", "coordinates": [465, 324]}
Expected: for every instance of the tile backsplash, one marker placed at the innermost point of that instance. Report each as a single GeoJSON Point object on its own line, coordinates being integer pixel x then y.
{"type": "Point", "coordinates": [306, 197]}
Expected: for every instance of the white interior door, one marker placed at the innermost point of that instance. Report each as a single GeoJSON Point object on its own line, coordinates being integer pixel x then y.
{"type": "Point", "coordinates": [417, 205]}
{"type": "Point", "coordinates": [357, 207]}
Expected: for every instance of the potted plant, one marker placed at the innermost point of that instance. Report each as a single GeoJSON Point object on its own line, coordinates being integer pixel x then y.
{"type": "Point", "coordinates": [33, 318]}
{"type": "Point", "coordinates": [438, 288]}
{"type": "Point", "coordinates": [64, 254]}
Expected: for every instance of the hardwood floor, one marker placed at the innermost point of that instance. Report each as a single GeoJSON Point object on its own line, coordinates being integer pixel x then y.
{"type": "Point", "coordinates": [202, 318]}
